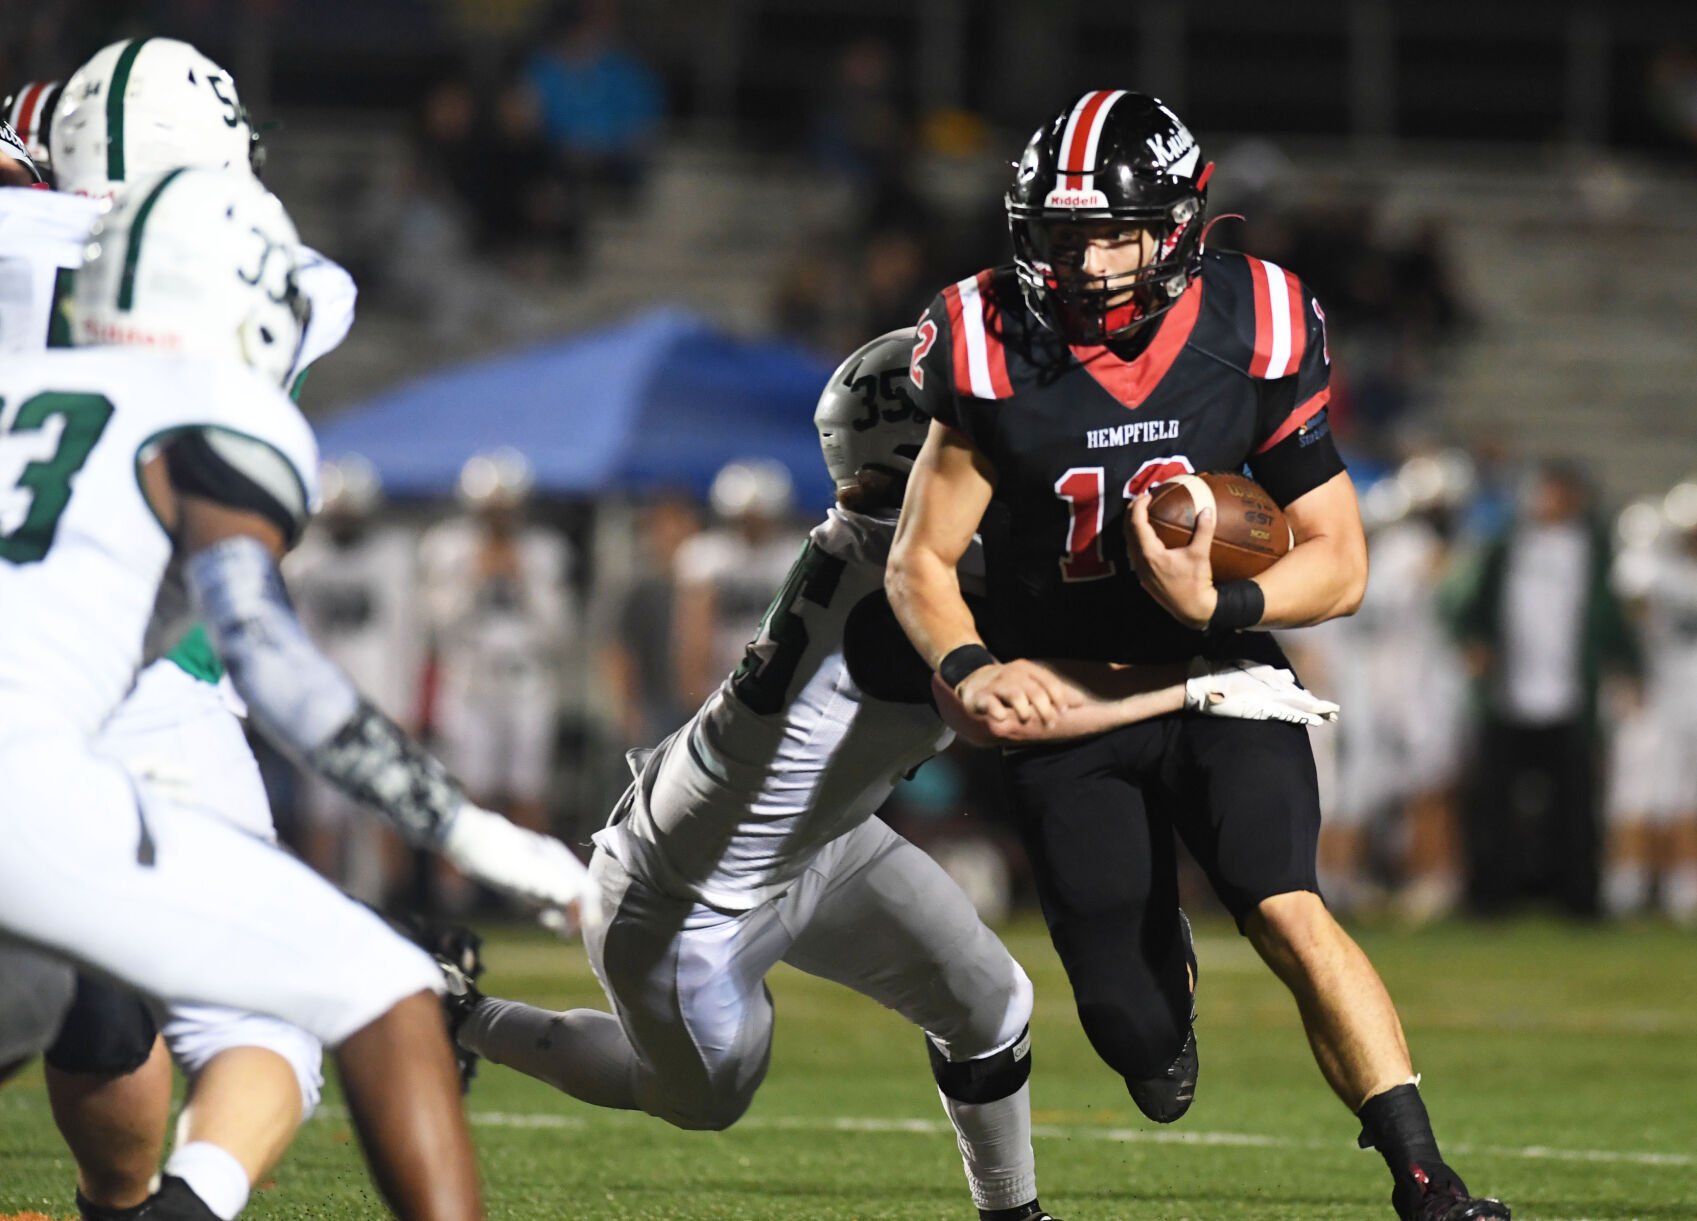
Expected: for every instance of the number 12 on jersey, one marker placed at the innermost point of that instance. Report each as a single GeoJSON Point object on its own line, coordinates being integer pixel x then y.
{"type": "Point", "coordinates": [47, 481]}
{"type": "Point", "coordinates": [1082, 488]}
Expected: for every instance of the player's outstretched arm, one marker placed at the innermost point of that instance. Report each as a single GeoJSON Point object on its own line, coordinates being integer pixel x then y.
{"type": "Point", "coordinates": [306, 705]}
{"type": "Point", "coordinates": [947, 492]}
{"type": "Point", "coordinates": [1111, 696]}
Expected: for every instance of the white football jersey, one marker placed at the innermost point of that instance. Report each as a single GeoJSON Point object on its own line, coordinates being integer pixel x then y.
{"type": "Point", "coordinates": [358, 598]}
{"type": "Point", "coordinates": [42, 233]}
{"type": "Point", "coordinates": [81, 553]}
{"type": "Point", "coordinates": [1670, 626]}
{"type": "Point", "coordinates": [495, 633]}
{"type": "Point", "coordinates": [331, 291]}
{"type": "Point", "coordinates": [789, 753]}
{"type": "Point", "coordinates": [742, 576]}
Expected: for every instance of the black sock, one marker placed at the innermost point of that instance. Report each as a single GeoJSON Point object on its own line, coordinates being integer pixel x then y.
{"type": "Point", "coordinates": [1396, 1124]}
{"type": "Point", "coordinates": [1024, 1211]}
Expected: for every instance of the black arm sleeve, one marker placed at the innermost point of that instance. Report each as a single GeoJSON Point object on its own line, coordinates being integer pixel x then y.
{"type": "Point", "coordinates": [1301, 462]}
{"type": "Point", "coordinates": [376, 763]}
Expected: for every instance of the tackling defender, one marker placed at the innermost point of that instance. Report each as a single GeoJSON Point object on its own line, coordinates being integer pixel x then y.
{"type": "Point", "coordinates": [748, 839]}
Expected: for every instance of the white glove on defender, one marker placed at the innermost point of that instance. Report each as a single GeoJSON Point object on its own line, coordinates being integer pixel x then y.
{"type": "Point", "coordinates": [531, 867]}
{"type": "Point", "coordinates": [1250, 691]}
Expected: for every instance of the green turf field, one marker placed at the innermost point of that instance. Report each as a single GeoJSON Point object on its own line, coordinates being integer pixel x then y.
{"type": "Point", "coordinates": [1560, 1066]}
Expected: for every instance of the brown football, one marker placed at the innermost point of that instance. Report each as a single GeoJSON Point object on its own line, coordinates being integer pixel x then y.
{"type": "Point", "coordinates": [1250, 531]}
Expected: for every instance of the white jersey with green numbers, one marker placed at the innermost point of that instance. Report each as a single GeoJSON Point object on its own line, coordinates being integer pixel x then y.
{"type": "Point", "coordinates": [793, 750]}
{"type": "Point", "coordinates": [81, 552]}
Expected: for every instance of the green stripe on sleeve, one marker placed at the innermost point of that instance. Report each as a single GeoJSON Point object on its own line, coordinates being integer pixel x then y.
{"type": "Point", "coordinates": [115, 109]}
{"type": "Point", "coordinates": [195, 656]}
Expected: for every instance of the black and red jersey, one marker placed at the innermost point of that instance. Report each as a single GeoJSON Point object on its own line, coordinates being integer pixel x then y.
{"type": "Point", "coordinates": [1235, 375]}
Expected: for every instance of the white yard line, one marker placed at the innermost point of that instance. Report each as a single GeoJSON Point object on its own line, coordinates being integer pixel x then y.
{"type": "Point", "coordinates": [1128, 1136]}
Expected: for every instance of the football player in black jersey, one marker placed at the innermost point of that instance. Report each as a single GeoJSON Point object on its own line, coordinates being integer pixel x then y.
{"type": "Point", "coordinates": [1114, 353]}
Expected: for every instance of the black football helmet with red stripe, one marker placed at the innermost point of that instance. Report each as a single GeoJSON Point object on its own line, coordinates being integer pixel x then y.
{"type": "Point", "coordinates": [30, 112]}
{"type": "Point", "coordinates": [1111, 155]}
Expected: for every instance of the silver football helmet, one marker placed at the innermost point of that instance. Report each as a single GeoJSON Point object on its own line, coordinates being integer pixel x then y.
{"type": "Point", "coordinates": [867, 417]}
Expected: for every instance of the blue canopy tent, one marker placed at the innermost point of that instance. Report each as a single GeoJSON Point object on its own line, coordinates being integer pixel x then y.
{"type": "Point", "coordinates": [662, 400]}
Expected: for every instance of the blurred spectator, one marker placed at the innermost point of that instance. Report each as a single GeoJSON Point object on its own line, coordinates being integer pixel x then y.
{"type": "Point", "coordinates": [600, 104]}
{"type": "Point", "coordinates": [478, 182]}
{"type": "Point", "coordinates": [1388, 771]}
{"type": "Point", "coordinates": [354, 582]}
{"type": "Point", "coordinates": [726, 577]}
{"type": "Point", "coordinates": [895, 283]}
{"type": "Point", "coordinates": [495, 594]}
{"type": "Point", "coordinates": [806, 305]}
{"type": "Point", "coordinates": [861, 132]}
{"type": "Point", "coordinates": [1541, 627]}
{"type": "Point", "coordinates": [1673, 91]}
{"type": "Point", "coordinates": [1418, 677]}
{"type": "Point", "coordinates": [1653, 781]}
{"type": "Point", "coordinates": [637, 657]}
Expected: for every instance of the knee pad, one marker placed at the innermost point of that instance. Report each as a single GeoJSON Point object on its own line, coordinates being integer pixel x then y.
{"type": "Point", "coordinates": [987, 1079]}
{"type": "Point", "coordinates": [704, 1115]}
{"type": "Point", "coordinates": [108, 1031]}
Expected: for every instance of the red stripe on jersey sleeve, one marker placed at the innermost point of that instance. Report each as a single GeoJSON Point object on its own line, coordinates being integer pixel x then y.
{"type": "Point", "coordinates": [995, 354]}
{"type": "Point", "coordinates": [957, 341]}
{"type": "Point", "coordinates": [1263, 318]}
{"type": "Point", "coordinates": [1298, 326]}
{"type": "Point", "coordinates": [1296, 419]}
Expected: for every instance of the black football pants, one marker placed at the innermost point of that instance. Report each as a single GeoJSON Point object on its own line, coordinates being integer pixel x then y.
{"type": "Point", "coordinates": [1098, 818]}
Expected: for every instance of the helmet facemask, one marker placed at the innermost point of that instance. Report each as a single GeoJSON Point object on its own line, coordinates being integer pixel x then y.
{"type": "Point", "coordinates": [1090, 309]}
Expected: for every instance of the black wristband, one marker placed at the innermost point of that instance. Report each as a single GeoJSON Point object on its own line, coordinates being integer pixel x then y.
{"type": "Point", "coordinates": [963, 661]}
{"type": "Point", "coordinates": [1241, 605]}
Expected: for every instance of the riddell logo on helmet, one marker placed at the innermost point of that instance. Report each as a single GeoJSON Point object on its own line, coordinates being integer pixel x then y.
{"type": "Point", "coordinates": [1062, 198]}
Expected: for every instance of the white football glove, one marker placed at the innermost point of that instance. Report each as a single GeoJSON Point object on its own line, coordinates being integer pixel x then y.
{"type": "Point", "coordinates": [531, 867]}
{"type": "Point", "coordinates": [1250, 691]}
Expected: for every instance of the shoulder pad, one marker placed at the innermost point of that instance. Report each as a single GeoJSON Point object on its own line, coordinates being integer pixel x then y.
{"type": "Point", "coordinates": [1256, 315]}
{"type": "Point", "coordinates": [976, 308]}
{"type": "Point", "coordinates": [332, 292]}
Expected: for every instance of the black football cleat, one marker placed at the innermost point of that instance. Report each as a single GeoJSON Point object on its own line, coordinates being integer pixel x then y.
{"type": "Point", "coordinates": [1165, 1097]}
{"type": "Point", "coordinates": [1027, 1212]}
{"type": "Point", "coordinates": [1436, 1193]}
{"type": "Point", "coordinates": [176, 1201]}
